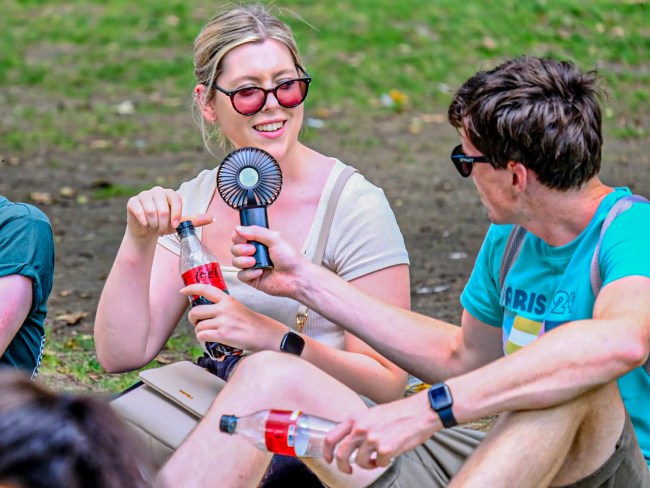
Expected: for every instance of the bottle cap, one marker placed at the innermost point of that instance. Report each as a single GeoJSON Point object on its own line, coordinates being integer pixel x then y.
{"type": "Point", "coordinates": [185, 228]}
{"type": "Point", "coordinates": [228, 424]}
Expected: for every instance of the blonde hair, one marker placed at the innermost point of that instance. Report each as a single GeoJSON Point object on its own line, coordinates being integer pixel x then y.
{"type": "Point", "coordinates": [223, 33]}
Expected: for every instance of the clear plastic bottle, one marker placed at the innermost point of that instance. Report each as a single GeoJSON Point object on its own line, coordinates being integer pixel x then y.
{"type": "Point", "coordinates": [198, 265]}
{"type": "Point", "coordinates": [287, 432]}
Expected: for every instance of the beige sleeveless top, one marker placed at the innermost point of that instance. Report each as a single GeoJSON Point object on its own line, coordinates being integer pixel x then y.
{"type": "Point", "coordinates": [364, 238]}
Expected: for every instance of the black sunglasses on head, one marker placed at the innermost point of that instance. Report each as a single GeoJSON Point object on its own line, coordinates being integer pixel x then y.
{"type": "Point", "coordinates": [251, 99]}
{"type": "Point", "coordinates": [463, 162]}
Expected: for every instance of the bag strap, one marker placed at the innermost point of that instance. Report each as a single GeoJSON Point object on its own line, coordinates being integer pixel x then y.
{"type": "Point", "coordinates": [617, 209]}
{"type": "Point", "coordinates": [342, 179]}
{"type": "Point", "coordinates": [511, 253]}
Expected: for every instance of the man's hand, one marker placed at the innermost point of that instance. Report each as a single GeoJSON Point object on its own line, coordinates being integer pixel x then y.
{"type": "Point", "coordinates": [288, 264]}
{"type": "Point", "coordinates": [382, 433]}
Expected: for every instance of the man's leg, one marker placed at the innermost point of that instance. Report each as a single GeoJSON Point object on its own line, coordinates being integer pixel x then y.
{"type": "Point", "coordinates": [264, 380]}
{"type": "Point", "coordinates": [554, 446]}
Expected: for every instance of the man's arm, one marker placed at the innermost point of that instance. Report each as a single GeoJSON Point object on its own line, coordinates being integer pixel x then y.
{"type": "Point", "coordinates": [560, 365]}
{"type": "Point", "coordinates": [16, 293]}
{"type": "Point", "coordinates": [557, 367]}
{"type": "Point", "coordinates": [428, 348]}
{"type": "Point", "coordinates": [567, 361]}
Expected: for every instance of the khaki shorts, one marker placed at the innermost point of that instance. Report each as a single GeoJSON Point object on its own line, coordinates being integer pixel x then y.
{"type": "Point", "coordinates": [435, 462]}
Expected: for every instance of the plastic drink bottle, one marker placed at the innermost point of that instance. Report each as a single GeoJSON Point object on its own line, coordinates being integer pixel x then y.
{"type": "Point", "coordinates": [292, 433]}
{"type": "Point", "coordinates": [198, 265]}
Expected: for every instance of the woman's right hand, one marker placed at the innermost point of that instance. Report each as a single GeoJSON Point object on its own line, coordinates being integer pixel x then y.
{"type": "Point", "coordinates": [158, 212]}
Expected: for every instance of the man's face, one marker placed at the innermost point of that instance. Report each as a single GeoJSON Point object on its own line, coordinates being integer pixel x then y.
{"type": "Point", "coordinates": [492, 184]}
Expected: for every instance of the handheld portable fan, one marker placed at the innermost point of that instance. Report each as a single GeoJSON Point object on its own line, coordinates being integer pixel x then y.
{"type": "Point", "coordinates": [249, 180]}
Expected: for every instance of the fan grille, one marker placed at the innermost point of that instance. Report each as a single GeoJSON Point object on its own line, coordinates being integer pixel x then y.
{"type": "Point", "coordinates": [263, 192]}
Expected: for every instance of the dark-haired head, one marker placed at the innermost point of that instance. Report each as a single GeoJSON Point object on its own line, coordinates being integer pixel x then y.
{"type": "Point", "coordinates": [60, 441]}
{"type": "Point", "coordinates": [540, 112]}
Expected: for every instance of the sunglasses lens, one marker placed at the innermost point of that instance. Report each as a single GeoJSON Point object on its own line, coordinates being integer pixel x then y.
{"type": "Point", "coordinates": [465, 169]}
{"type": "Point", "coordinates": [461, 162]}
{"type": "Point", "coordinates": [248, 101]}
{"type": "Point", "coordinates": [291, 93]}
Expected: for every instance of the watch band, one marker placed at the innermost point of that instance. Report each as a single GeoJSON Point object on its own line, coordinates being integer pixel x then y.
{"type": "Point", "coordinates": [441, 401]}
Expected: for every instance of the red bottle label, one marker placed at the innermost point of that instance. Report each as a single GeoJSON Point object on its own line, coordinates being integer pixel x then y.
{"type": "Point", "coordinates": [280, 432]}
{"type": "Point", "coordinates": [207, 274]}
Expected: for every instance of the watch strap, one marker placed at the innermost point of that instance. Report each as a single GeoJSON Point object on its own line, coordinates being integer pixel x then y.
{"type": "Point", "coordinates": [447, 417]}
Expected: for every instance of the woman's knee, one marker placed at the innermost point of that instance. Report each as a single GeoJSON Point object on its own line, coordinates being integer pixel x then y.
{"type": "Point", "coordinates": [266, 368]}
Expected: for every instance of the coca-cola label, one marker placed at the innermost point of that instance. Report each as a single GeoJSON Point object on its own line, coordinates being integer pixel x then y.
{"type": "Point", "coordinates": [280, 432]}
{"type": "Point", "coordinates": [206, 274]}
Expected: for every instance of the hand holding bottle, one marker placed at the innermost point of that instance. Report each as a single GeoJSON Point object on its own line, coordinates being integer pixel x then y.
{"type": "Point", "coordinates": [228, 320]}
{"type": "Point", "coordinates": [157, 212]}
{"type": "Point", "coordinates": [198, 266]}
{"type": "Point", "coordinates": [377, 435]}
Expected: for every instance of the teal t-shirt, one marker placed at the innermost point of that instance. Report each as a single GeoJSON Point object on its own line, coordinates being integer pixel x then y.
{"type": "Point", "coordinates": [548, 286]}
{"type": "Point", "coordinates": [27, 249]}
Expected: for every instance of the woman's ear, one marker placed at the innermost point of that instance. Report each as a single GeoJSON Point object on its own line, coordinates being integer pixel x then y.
{"type": "Point", "coordinates": [207, 108]}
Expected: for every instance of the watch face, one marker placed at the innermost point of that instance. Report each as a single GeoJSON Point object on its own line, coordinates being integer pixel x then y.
{"type": "Point", "coordinates": [292, 343]}
{"type": "Point", "coordinates": [440, 397]}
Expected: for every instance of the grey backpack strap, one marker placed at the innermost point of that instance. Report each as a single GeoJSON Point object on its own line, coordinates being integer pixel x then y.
{"type": "Point", "coordinates": [617, 209]}
{"type": "Point", "coordinates": [511, 253]}
{"type": "Point", "coordinates": [342, 179]}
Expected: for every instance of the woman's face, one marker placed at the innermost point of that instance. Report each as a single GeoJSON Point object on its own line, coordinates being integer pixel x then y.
{"type": "Point", "coordinates": [274, 128]}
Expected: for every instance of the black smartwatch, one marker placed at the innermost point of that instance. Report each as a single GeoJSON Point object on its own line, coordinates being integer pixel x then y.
{"type": "Point", "coordinates": [441, 401]}
{"type": "Point", "coordinates": [292, 343]}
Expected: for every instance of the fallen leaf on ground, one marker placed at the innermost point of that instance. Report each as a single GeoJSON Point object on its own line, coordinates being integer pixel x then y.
{"type": "Point", "coordinates": [66, 191]}
{"type": "Point", "coordinates": [164, 359]}
{"type": "Point", "coordinates": [72, 318]}
{"type": "Point", "coordinates": [41, 197]}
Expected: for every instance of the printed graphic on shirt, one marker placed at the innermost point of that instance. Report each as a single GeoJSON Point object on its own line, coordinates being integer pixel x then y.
{"type": "Point", "coordinates": [563, 302]}
{"type": "Point", "coordinates": [524, 312]}
{"type": "Point", "coordinates": [523, 301]}
{"type": "Point", "coordinates": [519, 331]}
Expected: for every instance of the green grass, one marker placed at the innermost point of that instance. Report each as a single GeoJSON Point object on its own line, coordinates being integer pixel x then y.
{"type": "Point", "coordinates": [73, 354]}
{"type": "Point", "coordinates": [65, 65]}
{"type": "Point", "coordinates": [112, 190]}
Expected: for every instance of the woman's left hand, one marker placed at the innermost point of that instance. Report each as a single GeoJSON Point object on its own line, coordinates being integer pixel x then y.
{"type": "Point", "coordinates": [228, 321]}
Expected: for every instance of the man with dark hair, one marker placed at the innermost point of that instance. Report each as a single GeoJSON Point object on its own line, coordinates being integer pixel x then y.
{"type": "Point", "coordinates": [26, 274]}
{"type": "Point", "coordinates": [562, 280]}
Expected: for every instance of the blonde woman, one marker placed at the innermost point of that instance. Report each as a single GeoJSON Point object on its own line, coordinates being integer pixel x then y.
{"type": "Point", "coordinates": [251, 85]}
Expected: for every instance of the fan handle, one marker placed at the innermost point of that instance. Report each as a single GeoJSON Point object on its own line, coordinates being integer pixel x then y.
{"type": "Point", "coordinates": [256, 215]}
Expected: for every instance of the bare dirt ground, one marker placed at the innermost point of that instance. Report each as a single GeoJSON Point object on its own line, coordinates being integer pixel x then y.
{"type": "Point", "coordinates": [439, 212]}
